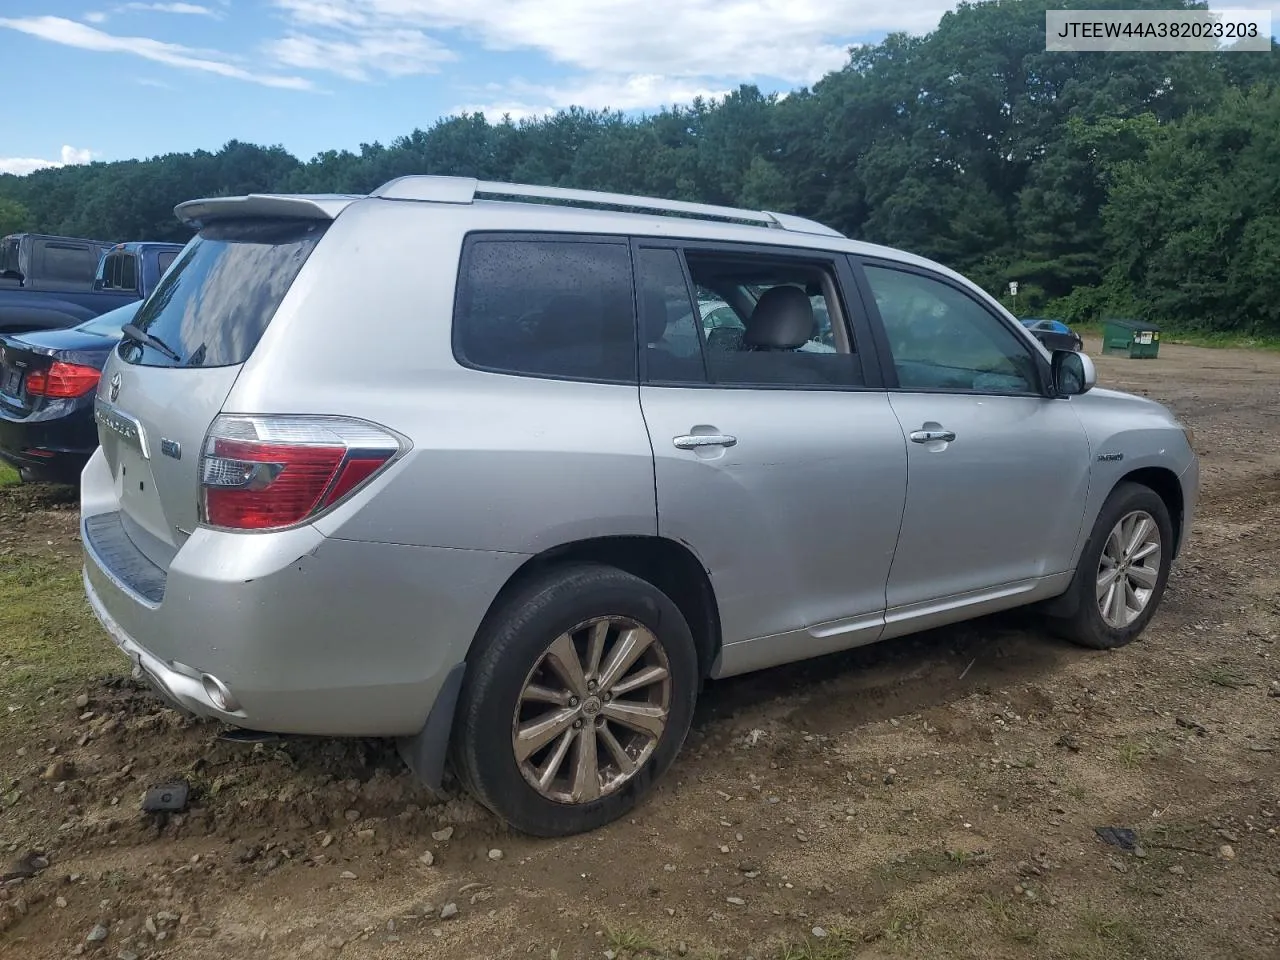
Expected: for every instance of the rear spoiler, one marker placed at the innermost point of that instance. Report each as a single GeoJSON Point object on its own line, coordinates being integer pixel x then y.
{"type": "Point", "coordinates": [195, 213]}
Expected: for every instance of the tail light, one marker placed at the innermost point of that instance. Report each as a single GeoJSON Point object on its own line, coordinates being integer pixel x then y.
{"type": "Point", "coordinates": [63, 380]}
{"type": "Point", "coordinates": [262, 473]}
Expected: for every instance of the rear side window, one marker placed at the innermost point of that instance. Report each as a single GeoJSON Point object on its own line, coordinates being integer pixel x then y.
{"type": "Point", "coordinates": [64, 263]}
{"type": "Point", "coordinates": [549, 308]}
{"type": "Point", "coordinates": [212, 308]}
{"type": "Point", "coordinates": [165, 258]}
{"type": "Point", "coordinates": [119, 272]}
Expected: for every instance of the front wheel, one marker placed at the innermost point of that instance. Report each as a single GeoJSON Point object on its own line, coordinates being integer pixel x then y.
{"type": "Point", "coordinates": [580, 692]}
{"type": "Point", "coordinates": [1123, 570]}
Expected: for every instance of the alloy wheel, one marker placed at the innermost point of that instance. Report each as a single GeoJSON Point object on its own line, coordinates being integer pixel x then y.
{"type": "Point", "coordinates": [1128, 569]}
{"type": "Point", "coordinates": [592, 710]}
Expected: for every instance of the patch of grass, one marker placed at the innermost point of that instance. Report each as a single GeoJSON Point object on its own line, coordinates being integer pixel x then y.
{"type": "Point", "coordinates": [48, 635]}
{"type": "Point", "coordinates": [903, 925]}
{"type": "Point", "coordinates": [630, 940]}
{"type": "Point", "coordinates": [1011, 919]}
{"type": "Point", "coordinates": [920, 864]}
{"type": "Point", "coordinates": [1192, 338]}
{"type": "Point", "coordinates": [1222, 675]}
{"type": "Point", "coordinates": [8, 475]}
{"type": "Point", "coordinates": [1240, 341]}
{"type": "Point", "coordinates": [836, 945]}
{"type": "Point", "coordinates": [1107, 937]}
{"type": "Point", "coordinates": [1133, 752]}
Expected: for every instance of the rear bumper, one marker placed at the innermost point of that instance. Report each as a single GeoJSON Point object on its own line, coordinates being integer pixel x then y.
{"type": "Point", "coordinates": [48, 447]}
{"type": "Point", "coordinates": [182, 690]}
{"type": "Point", "coordinates": [308, 635]}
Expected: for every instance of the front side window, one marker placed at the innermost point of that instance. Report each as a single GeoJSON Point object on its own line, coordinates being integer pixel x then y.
{"type": "Point", "coordinates": [549, 308]}
{"type": "Point", "coordinates": [769, 322]}
{"type": "Point", "coordinates": [943, 339]}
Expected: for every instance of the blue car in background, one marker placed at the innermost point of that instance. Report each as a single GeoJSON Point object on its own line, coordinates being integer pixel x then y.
{"type": "Point", "coordinates": [48, 379]}
{"type": "Point", "coordinates": [1054, 334]}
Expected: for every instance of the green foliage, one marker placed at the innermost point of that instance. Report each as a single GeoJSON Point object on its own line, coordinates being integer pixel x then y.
{"type": "Point", "coordinates": [1193, 225]}
{"type": "Point", "coordinates": [1141, 182]}
{"type": "Point", "coordinates": [13, 217]}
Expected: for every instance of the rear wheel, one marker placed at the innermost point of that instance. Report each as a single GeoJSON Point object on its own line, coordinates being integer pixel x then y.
{"type": "Point", "coordinates": [1123, 570]}
{"type": "Point", "coordinates": [579, 694]}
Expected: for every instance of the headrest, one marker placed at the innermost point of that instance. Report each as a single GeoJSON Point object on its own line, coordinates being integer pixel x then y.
{"type": "Point", "coordinates": [782, 320]}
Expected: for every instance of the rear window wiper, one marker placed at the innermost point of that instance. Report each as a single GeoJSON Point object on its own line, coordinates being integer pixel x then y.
{"type": "Point", "coordinates": [151, 340]}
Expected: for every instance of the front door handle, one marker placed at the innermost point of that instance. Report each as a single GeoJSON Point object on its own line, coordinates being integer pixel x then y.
{"type": "Point", "coordinates": [932, 436]}
{"type": "Point", "coordinates": [695, 440]}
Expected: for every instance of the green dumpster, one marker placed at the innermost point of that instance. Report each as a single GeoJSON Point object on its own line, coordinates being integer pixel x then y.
{"type": "Point", "coordinates": [1132, 338]}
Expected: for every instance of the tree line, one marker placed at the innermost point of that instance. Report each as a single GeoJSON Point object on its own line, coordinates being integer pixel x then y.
{"type": "Point", "coordinates": [1142, 184]}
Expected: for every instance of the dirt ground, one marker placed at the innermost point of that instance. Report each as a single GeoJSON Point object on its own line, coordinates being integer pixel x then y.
{"type": "Point", "coordinates": [932, 797]}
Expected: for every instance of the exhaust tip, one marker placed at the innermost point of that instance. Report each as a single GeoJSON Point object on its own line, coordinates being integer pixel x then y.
{"type": "Point", "coordinates": [218, 694]}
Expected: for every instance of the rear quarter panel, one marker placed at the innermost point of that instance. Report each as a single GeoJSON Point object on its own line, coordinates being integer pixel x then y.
{"type": "Point", "coordinates": [498, 462]}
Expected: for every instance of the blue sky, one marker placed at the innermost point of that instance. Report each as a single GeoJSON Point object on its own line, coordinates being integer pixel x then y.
{"type": "Point", "coordinates": [112, 79]}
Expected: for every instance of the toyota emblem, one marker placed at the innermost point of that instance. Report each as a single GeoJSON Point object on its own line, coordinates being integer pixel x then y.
{"type": "Point", "coordinates": [115, 387]}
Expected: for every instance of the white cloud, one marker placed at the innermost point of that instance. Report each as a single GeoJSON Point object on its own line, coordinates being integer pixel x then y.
{"type": "Point", "coordinates": [188, 9]}
{"type": "Point", "coordinates": [791, 40]}
{"type": "Point", "coordinates": [95, 16]}
{"type": "Point", "coordinates": [72, 34]}
{"type": "Point", "coordinates": [395, 53]}
{"type": "Point", "coordinates": [68, 156]}
{"type": "Point", "coordinates": [521, 100]}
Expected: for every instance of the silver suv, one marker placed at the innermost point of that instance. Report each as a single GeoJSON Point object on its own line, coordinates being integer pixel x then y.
{"type": "Point", "coordinates": [465, 464]}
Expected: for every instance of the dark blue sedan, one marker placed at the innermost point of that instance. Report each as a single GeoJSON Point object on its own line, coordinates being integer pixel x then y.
{"type": "Point", "coordinates": [48, 379]}
{"type": "Point", "coordinates": [1054, 334]}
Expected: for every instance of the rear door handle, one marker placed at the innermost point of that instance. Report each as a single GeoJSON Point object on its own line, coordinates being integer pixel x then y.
{"type": "Point", "coordinates": [931, 436]}
{"type": "Point", "coordinates": [693, 441]}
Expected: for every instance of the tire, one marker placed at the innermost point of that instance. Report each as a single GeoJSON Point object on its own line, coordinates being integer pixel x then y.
{"type": "Point", "coordinates": [1086, 623]}
{"type": "Point", "coordinates": [513, 654]}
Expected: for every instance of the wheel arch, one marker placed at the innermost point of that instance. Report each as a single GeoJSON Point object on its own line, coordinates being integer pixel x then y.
{"type": "Point", "coordinates": [1164, 483]}
{"type": "Point", "coordinates": [667, 564]}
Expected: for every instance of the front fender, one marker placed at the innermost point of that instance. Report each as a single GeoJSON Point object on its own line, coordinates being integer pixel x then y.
{"type": "Point", "coordinates": [1128, 434]}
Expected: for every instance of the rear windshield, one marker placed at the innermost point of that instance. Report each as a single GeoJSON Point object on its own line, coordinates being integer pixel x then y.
{"type": "Point", "coordinates": [109, 324]}
{"type": "Point", "coordinates": [213, 306]}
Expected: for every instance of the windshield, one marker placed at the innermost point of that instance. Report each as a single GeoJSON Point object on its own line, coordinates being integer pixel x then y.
{"type": "Point", "coordinates": [109, 324]}
{"type": "Point", "coordinates": [215, 302]}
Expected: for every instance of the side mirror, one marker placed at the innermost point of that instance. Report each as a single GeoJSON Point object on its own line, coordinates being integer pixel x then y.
{"type": "Point", "coordinates": [1073, 373]}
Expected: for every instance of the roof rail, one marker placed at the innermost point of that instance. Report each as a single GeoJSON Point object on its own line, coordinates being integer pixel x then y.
{"type": "Point", "coordinates": [465, 190]}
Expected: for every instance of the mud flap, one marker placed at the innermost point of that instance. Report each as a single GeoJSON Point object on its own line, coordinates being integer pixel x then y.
{"type": "Point", "coordinates": [425, 752]}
